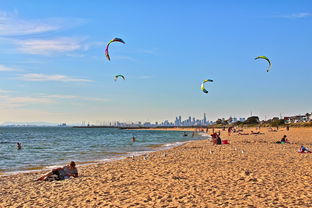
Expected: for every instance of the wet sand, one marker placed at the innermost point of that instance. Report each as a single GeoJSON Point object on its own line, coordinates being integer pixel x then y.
{"type": "Point", "coordinates": [252, 171]}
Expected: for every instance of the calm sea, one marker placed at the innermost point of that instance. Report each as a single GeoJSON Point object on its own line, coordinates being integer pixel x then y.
{"type": "Point", "coordinates": [45, 147]}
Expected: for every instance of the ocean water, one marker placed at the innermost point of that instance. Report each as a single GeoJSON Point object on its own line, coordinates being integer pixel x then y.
{"type": "Point", "coordinates": [46, 147]}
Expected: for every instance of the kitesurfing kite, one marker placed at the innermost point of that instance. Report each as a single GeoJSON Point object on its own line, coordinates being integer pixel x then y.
{"type": "Point", "coordinates": [113, 40]}
{"type": "Point", "coordinates": [268, 60]}
{"type": "Point", "coordinates": [203, 87]}
{"type": "Point", "coordinates": [119, 75]}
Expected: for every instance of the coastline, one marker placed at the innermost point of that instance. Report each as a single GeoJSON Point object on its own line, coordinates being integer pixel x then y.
{"type": "Point", "coordinates": [121, 156]}
{"type": "Point", "coordinates": [252, 171]}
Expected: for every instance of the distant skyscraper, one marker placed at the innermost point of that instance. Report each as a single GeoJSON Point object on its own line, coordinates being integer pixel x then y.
{"type": "Point", "coordinates": [205, 119]}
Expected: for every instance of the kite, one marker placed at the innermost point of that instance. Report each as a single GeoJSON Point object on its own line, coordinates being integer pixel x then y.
{"type": "Point", "coordinates": [119, 75]}
{"type": "Point", "coordinates": [203, 87]}
{"type": "Point", "coordinates": [268, 60]}
{"type": "Point", "coordinates": [113, 40]}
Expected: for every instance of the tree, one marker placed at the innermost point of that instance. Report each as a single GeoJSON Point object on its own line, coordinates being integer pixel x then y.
{"type": "Point", "coordinates": [219, 121]}
{"type": "Point", "coordinates": [252, 120]}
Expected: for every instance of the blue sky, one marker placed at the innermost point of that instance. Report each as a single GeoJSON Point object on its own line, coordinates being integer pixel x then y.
{"type": "Point", "coordinates": [53, 67]}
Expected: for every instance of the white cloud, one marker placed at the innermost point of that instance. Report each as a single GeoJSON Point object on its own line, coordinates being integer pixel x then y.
{"type": "Point", "coordinates": [5, 68]}
{"type": "Point", "coordinates": [297, 15]}
{"type": "Point", "coordinates": [61, 96]}
{"type": "Point", "coordinates": [20, 101]}
{"type": "Point", "coordinates": [56, 77]}
{"type": "Point", "coordinates": [8, 101]}
{"type": "Point", "coordinates": [76, 97]}
{"type": "Point", "coordinates": [27, 100]}
{"type": "Point", "coordinates": [47, 47]}
{"type": "Point", "coordinates": [12, 25]}
{"type": "Point", "coordinates": [5, 91]}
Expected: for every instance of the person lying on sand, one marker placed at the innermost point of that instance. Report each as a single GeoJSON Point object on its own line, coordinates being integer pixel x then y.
{"type": "Point", "coordinates": [61, 173]}
{"type": "Point", "coordinates": [243, 133]}
{"type": "Point", "coordinates": [283, 140]}
{"type": "Point", "coordinates": [258, 132]}
{"type": "Point", "coordinates": [272, 130]}
{"type": "Point", "coordinates": [304, 150]}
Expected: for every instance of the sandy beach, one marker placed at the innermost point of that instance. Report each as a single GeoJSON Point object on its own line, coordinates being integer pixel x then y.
{"type": "Point", "coordinates": [252, 171]}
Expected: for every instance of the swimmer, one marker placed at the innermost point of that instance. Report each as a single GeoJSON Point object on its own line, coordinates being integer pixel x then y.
{"type": "Point", "coordinates": [18, 146]}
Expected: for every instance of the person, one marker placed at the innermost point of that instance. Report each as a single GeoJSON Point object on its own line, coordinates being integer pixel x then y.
{"type": "Point", "coordinates": [283, 140]}
{"type": "Point", "coordinates": [214, 138]}
{"type": "Point", "coordinates": [18, 146]}
{"type": "Point", "coordinates": [133, 139]}
{"type": "Point", "coordinates": [219, 141]}
{"type": "Point", "coordinates": [184, 134]}
{"type": "Point", "coordinates": [193, 134]}
{"type": "Point", "coordinates": [258, 132]}
{"type": "Point", "coordinates": [287, 128]}
{"type": "Point", "coordinates": [303, 149]}
{"type": "Point", "coordinates": [61, 173]}
{"type": "Point", "coordinates": [230, 130]}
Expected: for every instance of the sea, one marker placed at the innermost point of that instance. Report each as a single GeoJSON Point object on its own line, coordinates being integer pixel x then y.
{"type": "Point", "coordinates": [48, 147]}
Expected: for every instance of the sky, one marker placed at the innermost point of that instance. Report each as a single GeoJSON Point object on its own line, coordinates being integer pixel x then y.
{"type": "Point", "coordinates": [53, 67]}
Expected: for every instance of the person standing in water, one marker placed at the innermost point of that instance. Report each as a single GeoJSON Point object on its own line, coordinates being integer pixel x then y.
{"type": "Point", "coordinates": [18, 146]}
{"type": "Point", "coordinates": [133, 139]}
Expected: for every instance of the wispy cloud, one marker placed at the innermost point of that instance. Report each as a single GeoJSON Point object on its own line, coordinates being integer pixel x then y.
{"type": "Point", "coordinates": [11, 24]}
{"type": "Point", "coordinates": [24, 100]}
{"type": "Point", "coordinates": [56, 77]}
{"type": "Point", "coordinates": [48, 47]}
{"type": "Point", "coordinates": [5, 91]}
{"type": "Point", "coordinates": [5, 68]}
{"type": "Point", "coordinates": [76, 97]}
{"type": "Point", "coordinates": [296, 15]}
{"type": "Point", "coordinates": [9, 100]}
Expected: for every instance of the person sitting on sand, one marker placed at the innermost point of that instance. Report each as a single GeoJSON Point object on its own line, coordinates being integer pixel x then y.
{"type": "Point", "coordinates": [218, 141]}
{"type": "Point", "coordinates": [214, 138]}
{"type": "Point", "coordinates": [304, 150]}
{"type": "Point", "coordinates": [61, 173]}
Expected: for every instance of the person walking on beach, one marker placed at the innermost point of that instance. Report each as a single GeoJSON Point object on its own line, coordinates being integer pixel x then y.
{"type": "Point", "coordinates": [62, 173]}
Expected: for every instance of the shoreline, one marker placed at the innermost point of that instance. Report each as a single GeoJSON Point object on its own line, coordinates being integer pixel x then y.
{"type": "Point", "coordinates": [253, 171]}
{"type": "Point", "coordinates": [122, 156]}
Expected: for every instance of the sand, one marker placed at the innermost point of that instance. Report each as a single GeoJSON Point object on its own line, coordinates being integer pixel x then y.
{"type": "Point", "coordinates": [252, 171]}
